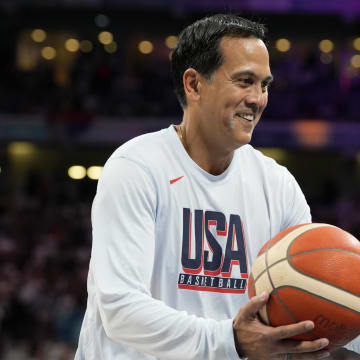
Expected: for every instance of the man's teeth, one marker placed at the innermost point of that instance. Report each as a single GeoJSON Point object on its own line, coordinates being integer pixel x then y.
{"type": "Point", "coordinates": [249, 117]}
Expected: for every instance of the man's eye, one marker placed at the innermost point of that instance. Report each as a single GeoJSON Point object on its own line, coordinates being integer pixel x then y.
{"type": "Point", "coordinates": [245, 81]}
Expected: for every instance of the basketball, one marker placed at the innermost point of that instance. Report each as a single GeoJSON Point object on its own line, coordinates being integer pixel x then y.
{"type": "Point", "coordinates": [312, 272]}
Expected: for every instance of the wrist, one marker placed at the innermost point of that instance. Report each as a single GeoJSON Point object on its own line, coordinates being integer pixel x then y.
{"type": "Point", "coordinates": [238, 348]}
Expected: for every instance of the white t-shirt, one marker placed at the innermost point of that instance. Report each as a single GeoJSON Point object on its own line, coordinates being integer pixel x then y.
{"type": "Point", "coordinates": [173, 247]}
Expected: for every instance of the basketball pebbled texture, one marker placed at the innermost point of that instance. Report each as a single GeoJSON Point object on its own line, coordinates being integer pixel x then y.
{"type": "Point", "coordinates": [312, 272]}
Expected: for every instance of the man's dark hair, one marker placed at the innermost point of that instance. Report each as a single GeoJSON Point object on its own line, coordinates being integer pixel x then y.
{"type": "Point", "coordinates": [198, 46]}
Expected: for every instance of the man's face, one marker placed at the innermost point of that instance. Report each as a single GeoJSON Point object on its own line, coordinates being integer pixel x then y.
{"type": "Point", "coordinates": [231, 103]}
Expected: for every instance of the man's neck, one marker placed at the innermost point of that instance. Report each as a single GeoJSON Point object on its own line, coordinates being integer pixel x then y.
{"type": "Point", "coordinates": [214, 165]}
{"type": "Point", "coordinates": [207, 155]}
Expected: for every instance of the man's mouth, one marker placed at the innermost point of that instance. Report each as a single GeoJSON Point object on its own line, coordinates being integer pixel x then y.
{"type": "Point", "coordinates": [248, 117]}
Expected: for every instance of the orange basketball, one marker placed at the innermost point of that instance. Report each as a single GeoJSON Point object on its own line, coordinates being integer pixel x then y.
{"type": "Point", "coordinates": [312, 272]}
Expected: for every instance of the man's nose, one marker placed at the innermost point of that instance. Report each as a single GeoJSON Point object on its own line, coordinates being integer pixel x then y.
{"type": "Point", "coordinates": [255, 95]}
{"type": "Point", "coordinates": [254, 98]}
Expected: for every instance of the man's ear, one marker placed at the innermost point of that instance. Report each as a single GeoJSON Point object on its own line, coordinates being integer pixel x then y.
{"type": "Point", "coordinates": [192, 84]}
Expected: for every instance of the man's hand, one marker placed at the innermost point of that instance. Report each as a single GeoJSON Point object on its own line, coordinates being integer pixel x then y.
{"type": "Point", "coordinates": [261, 342]}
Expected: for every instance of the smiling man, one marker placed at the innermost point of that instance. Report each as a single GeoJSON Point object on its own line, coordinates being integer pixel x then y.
{"type": "Point", "coordinates": [180, 215]}
{"type": "Point", "coordinates": [223, 108]}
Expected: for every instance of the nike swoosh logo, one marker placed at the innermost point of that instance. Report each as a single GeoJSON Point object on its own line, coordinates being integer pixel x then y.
{"type": "Point", "coordinates": [175, 180]}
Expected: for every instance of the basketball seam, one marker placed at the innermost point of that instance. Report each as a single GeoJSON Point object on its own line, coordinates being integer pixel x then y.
{"type": "Point", "coordinates": [326, 249]}
{"type": "Point", "coordinates": [276, 294]}
{"type": "Point", "coordinates": [305, 252]}
{"type": "Point", "coordinates": [315, 337]}
{"type": "Point", "coordinates": [268, 272]}
{"type": "Point", "coordinates": [268, 248]}
{"type": "Point", "coordinates": [297, 227]}
{"type": "Point", "coordinates": [267, 268]}
{"type": "Point", "coordinates": [318, 296]}
{"type": "Point", "coordinates": [289, 257]}
{"type": "Point", "coordinates": [313, 277]}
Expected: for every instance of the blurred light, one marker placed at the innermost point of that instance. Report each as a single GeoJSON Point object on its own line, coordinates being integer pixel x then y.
{"type": "Point", "coordinates": [312, 133]}
{"type": "Point", "coordinates": [93, 172]}
{"type": "Point", "coordinates": [48, 53]}
{"type": "Point", "coordinates": [86, 46]}
{"type": "Point", "coordinates": [277, 154]}
{"type": "Point", "coordinates": [76, 172]}
{"type": "Point", "coordinates": [38, 35]}
{"type": "Point", "coordinates": [355, 61]}
{"type": "Point", "coordinates": [145, 47]}
{"type": "Point", "coordinates": [61, 76]}
{"type": "Point", "coordinates": [171, 41]}
{"type": "Point", "coordinates": [283, 45]}
{"type": "Point", "coordinates": [356, 44]}
{"type": "Point", "coordinates": [72, 45]}
{"type": "Point", "coordinates": [21, 148]}
{"type": "Point", "coordinates": [326, 58]}
{"type": "Point", "coordinates": [352, 72]}
{"type": "Point", "coordinates": [111, 48]}
{"type": "Point", "coordinates": [326, 46]}
{"type": "Point", "coordinates": [106, 37]}
{"type": "Point", "coordinates": [102, 20]}
{"type": "Point", "coordinates": [26, 56]}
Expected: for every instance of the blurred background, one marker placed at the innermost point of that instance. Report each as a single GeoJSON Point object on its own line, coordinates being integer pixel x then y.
{"type": "Point", "coordinates": [80, 77]}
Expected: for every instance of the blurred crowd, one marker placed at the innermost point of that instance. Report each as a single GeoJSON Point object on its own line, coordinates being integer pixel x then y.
{"type": "Point", "coordinates": [308, 84]}
{"type": "Point", "coordinates": [44, 255]}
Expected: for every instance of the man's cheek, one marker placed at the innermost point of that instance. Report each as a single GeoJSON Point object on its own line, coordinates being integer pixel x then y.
{"type": "Point", "coordinates": [264, 101]}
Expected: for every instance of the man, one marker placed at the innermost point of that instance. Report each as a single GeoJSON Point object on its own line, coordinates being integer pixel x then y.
{"type": "Point", "coordinates": [180, 215]}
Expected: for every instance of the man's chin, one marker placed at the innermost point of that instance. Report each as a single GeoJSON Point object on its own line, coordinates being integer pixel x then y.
{"type": "Point", "coordinates": [244, 139]}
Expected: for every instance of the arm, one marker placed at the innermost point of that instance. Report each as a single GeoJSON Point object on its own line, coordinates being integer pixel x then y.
{"type": "Point", "coordinates": [123, 217]}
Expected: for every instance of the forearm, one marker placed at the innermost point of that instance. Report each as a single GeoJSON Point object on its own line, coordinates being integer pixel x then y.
{"type": "Point", "coordinates": [123, 253]}
{"type": "Point", "coordinates": [148, 325]}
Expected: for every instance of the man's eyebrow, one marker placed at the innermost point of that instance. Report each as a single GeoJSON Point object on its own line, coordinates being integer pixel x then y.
{"type": "Point", "coordinates": [267, 80]}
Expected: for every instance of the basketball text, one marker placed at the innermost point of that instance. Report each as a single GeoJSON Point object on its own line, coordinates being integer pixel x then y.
{"type": "Point", "coordinates": [214, 260]}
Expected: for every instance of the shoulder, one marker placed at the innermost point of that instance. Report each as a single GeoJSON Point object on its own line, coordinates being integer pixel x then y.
{"type": "Point", "coordinates": [284, 196]}
{"type": "Point", "coordinates": [149, 151]}
{"type": "Point", "coordinates": [138, 160]}
{"type": "Point", "coordinates": [143, 147]}
{"type": "Point", "coordinates": [261, 163]}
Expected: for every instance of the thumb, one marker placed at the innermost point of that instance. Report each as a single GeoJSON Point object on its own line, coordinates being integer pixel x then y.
{"type": "Point", "coordinates": [252, 308]}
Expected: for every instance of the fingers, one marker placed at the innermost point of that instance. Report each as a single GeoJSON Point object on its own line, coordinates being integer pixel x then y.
{"type": "Point", "coordinates": [312, 356]}
{"type": "Point", "coordinates": [295, 347]}
{"type": "Point", "coordinates": [303, 349]}
{"type": "Point", "coordinates": [306, 356]}
{"type": "Point", "coordinates": [265, 342]}
{"type": "Point", "coordinates": [251, 309]}
{"type": "Point", "coordinates": [288, 331]}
